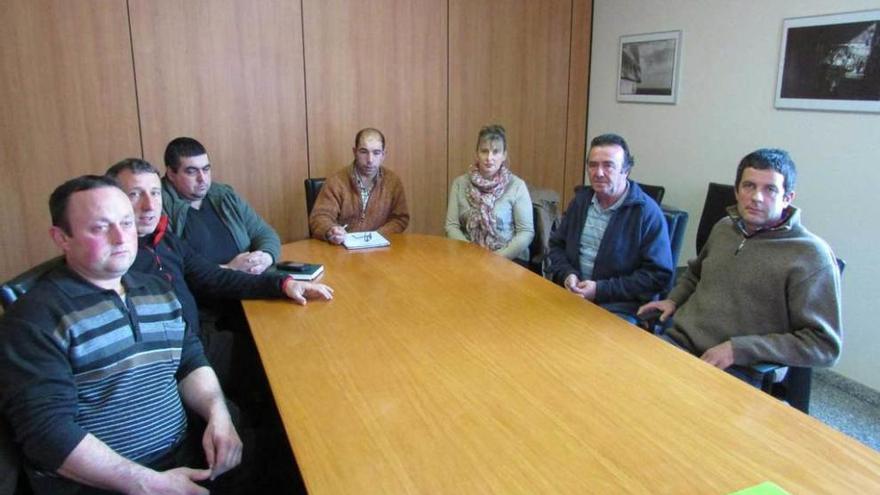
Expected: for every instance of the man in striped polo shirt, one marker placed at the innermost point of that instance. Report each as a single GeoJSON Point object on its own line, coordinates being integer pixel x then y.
{"type": "Point", "coordinates": [96, 364]}
{"type": "Point", "coordinates": [612, 246]}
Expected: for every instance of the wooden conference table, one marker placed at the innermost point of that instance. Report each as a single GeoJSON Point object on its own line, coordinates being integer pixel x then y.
{"type": "Point", "coordinates": [442, 368]}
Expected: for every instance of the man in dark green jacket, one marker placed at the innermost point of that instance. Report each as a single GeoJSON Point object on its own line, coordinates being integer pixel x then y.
{"type": "Point", "coordinates": [224, 229]}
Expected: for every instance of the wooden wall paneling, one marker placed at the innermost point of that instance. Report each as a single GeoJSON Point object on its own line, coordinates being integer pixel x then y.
{"type": "Point", "coordinates": [67, 102]}
{"type": "Point", "coordinates": [509, 64]}
{"type": "Point", "coordinates": [578, 96]}
{"type": "Point", "coordinates": [381, 64]}
{"type": "Point", "coordinates": [230, 74]}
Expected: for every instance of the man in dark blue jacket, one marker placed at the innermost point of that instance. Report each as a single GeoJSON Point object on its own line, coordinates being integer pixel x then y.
{"type": "Point", "coordinates": [612, 246]}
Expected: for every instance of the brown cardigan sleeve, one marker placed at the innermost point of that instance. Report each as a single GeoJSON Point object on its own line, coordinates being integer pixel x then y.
{"type": "Point", "coordinates": [326, 211]}
{"type": "Point", "coordinates": [398, 217]}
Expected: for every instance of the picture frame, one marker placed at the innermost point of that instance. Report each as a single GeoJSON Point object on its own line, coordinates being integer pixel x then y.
{"type": "Point", "coordinates": [649, 67]}
{"type": "Point", "coordinates": [830, 62]}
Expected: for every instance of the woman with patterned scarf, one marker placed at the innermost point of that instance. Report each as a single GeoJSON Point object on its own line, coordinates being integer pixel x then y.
{"type": "Point", "coordinates": [489, 205]}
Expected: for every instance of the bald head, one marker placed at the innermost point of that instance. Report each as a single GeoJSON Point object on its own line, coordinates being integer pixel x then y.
{"type": "Point", "coordinates": [369, 152]}
{"type": "Point", "coordinates": [366, 133]}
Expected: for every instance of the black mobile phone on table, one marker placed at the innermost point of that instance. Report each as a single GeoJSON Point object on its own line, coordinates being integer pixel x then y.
{"type": "Point", "coordinates": [291, 266]}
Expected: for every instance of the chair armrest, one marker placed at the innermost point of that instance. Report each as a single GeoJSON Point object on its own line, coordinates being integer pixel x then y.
{"type": "Point", "coordinates": [650, 321]}
{"type": "Point", "coordinates": [770, 374]}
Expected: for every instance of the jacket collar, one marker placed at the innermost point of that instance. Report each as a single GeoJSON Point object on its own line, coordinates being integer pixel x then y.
{"type": "Point", "coordinates": [161, 228]}
{"type": "Point", "coordinates": [790, 218]}
{"type": "Point", "coordinates": [352, 175]}
{"type": "Point", "coordinates": [634, 194]}
{"type": "Point", "coordinates": [153, 240]}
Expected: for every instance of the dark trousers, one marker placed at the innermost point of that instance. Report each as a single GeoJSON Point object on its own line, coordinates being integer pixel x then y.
{"type": "Point", "coordinates": [743, 373]}
{"type": "Point", "coordinates": [267, 464]}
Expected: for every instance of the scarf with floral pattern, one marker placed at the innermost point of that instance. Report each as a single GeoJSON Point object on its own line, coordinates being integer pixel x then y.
{"type": "Point", "coordinates": [481, 195]}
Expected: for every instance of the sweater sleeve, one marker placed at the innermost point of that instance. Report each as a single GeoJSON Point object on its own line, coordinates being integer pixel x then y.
{"type": "Point", "coordinates": [263, 237]}
{"type": "Point", "coordinates": [327, 208]}
{"type": "Point", "coordinates": [523, 223]}
{"type": "Point", "coordinates": [398, 219]}
{"type": "Point", "coordinates": [192, 356]}
{"type": "Point", "coordinates": [454, 228]}
{"type": "Point", "coordinates": [654, 269]}
{"type": "Point", "coordinates": [560, 265]}
{"type": "Point", "coordinates": [686, 283]}
{"type": "Point", "coordinates": [209, 279]}
{"type": "Point", "coordinates": [815, 335]}
{"type": "Point", "coordinates": [38, 393]}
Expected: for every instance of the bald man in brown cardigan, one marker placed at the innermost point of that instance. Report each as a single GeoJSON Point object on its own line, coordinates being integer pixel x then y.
{"type": "Point", "coordinates": [363, 196]}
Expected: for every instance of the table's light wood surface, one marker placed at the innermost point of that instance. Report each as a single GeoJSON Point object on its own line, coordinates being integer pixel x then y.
{"type": "Point", "coordinates": [441, 368]}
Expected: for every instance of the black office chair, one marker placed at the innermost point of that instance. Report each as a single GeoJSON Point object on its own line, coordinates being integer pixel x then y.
{"type": "Point", "coordinates": [313, 187]}
{"type": "Point", "coordinates": [10, 469]}
{"type": "Point", "coordinates": [676, 222]}
{"type": "Point", "coordinates": [718, 198]}
{"type": "Point", "coordinates": [654, 192]}
{"type": "Point", "coordinates": [11, 290]}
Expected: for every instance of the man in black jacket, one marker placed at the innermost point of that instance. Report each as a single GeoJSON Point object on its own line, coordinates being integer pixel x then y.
{"type": "Point", "coordinates": [162, 253]}
{"type": "Point", "coordinates": [232, 354]}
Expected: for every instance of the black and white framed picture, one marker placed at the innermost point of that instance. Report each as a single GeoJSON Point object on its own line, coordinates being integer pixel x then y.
{"type": "Point", "coordinates": [830, 62]}
{"type": "Point", "coordinates": [650, 65]}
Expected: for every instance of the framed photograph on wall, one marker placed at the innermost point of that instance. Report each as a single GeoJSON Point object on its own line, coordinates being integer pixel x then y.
{"type": "Point", "coordinates": [649, 67]}
{"type": "Point", "coordinates": [830, 62]}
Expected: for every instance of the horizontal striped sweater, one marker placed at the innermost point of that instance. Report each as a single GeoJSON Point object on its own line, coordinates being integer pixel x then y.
{"type": "Point", "coordinates": [78, 359]}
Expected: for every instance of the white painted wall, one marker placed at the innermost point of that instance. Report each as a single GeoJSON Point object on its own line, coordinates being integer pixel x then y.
{"type": "Point", "coordinates": [725, 110]}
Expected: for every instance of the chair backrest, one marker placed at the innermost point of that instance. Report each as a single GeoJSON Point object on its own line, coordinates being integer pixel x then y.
{"type": "Point", "coordinates": [313, 187]}
{"type": "Point", "coordinates": [12, 480]}
{"type": "Point", "coordinates": [546, 213]}
{"type": "Point", "coordinates": [676, 221]}
{"type": "Point", "coordinates": [11, 290]}
{"type": "Point", "coordinates": [655, 192]}
{"type": "Point", "coordinates": [718, 198]}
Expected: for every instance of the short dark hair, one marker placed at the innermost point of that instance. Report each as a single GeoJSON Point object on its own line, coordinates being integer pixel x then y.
{"type": "Point", "coordinates": [368, 130]}
{"type": "Point", "coordinates": [133, 165]}
{"type": "Point", "coordinates": [60, 197]}
{"type": "Point", "coordinates": [766, 159]}
{"type": "Point", "coordinates": [611, 139]}
{"type": "Point", "coordinates": [492, 132]}
{"type": "Point", "coordinates": [182, 147]}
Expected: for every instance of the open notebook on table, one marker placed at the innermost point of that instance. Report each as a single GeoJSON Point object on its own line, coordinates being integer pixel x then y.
{"type": "Point", "coordinates": [363, 240]}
